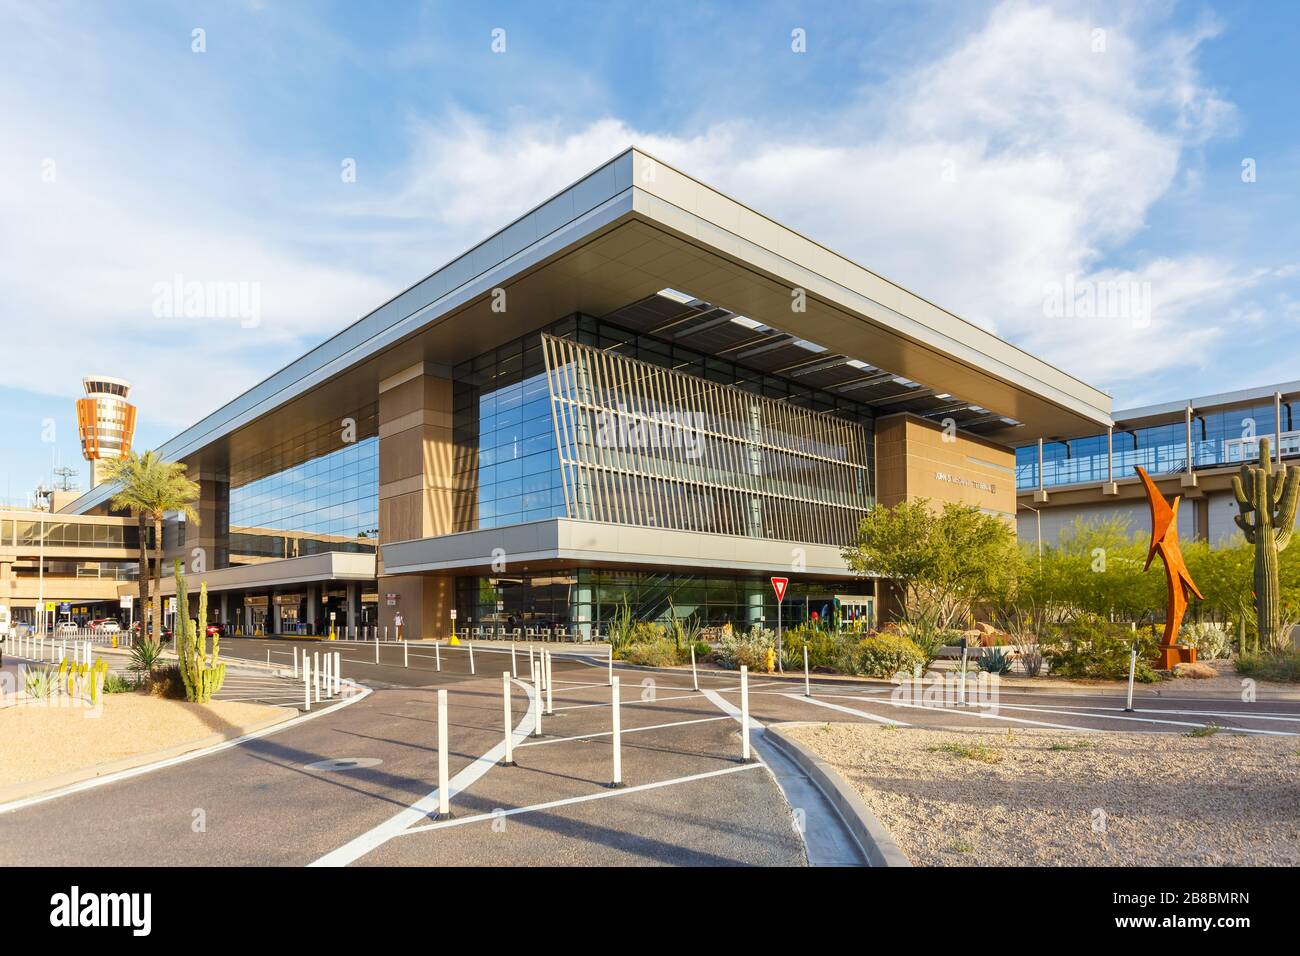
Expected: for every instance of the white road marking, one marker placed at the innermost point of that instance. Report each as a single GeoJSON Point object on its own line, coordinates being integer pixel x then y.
{"type": "Point", "coordinates": [569, 801]}
{"type": "Point", "coordinates": [396, 825]}
{"type": "Point", "coordinates": [954, 711]}
{"type": "Point", "coordinates": [1145, 720]}
{"type": "Point", "coordinates": [847, 710]}
{"type": "Point", "coordinates": [183, 758]}
{"type": "Point", "coordinates": [731, 710]}
{"type": "Point", "coordinates": [625, 730]}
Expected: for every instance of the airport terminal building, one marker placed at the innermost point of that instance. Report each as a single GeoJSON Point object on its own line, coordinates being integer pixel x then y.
{"type": "Point", "coordinates": [640, 391]}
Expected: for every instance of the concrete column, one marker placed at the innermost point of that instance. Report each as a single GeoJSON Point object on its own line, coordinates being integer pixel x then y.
{"type": "Point", "coordinates": [354, 605]}
{"type": "Point", "coordinates": [274, 616]}
{"type": "Point", "coordinates": [212, 532]}
{"type": "Point", "coordinates": [424, 601]}
{"type": "Point", "coordinates": [313, 605]}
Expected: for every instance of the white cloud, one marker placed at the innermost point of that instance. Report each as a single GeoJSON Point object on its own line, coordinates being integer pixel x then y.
{"type": "Point", "coordinates": [1018, 160]}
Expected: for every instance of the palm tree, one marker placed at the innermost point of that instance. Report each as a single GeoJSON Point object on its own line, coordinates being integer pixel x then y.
{"type": "Point", "coordinates": [151, 487]}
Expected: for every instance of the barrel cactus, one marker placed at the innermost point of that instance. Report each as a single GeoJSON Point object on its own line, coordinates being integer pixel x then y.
{"type": "Point", "coordinates": [1267, 501]}
{"type": "Point", "coordinates": [202, 678]}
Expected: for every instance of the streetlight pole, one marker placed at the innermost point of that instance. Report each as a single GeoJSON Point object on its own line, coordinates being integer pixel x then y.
{"type": "Point", "coordinates": [40, 573]}
{"type": "Point", "coordinates": [1038, 518]}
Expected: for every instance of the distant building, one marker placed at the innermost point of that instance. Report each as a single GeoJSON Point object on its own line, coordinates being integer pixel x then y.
{"type": "Point", "coordinates": [1190, 447]}
{"type": "Point", "coordinates": [106, 423]}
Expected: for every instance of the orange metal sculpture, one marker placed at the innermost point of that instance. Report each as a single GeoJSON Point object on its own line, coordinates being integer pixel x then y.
{"type": "Point", "coordinates": [1178, 579]}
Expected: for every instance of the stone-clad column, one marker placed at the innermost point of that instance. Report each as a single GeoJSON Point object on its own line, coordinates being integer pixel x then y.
{"type": "Point", "coordinates": [416, 492]}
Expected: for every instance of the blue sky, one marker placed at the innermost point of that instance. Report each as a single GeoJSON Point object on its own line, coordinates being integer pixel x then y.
{"type": "Point", "coordinates": [985, 155]}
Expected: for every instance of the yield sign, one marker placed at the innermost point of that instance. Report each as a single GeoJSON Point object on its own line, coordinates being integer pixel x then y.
{"type": "Point", "coordinates": [778, 585]}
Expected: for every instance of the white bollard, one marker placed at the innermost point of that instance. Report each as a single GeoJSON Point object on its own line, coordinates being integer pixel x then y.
{"type": "Point", "coordinates": [514, 666]}
{"type": "Point", "coordinates": [532, 668]}
{"type": "Point", "coordinates": [437, 656]}
{"type": "Point", "coordinates": [1132, 671]}
{"type": "Point", "coordinates": [537, 691]}
{"type": "Point", "coordinates": [377, 649]}
{"type": "Point", "coordinates": [471, 658]}
{"type": "Point", "coordinates": [611, 663]}
{"type": "Point", "coordinates": [295, 662]}
{"type": "Point", "coordinates": [807, 687]}
{"type": "Point", "coordinates": [617, 735]}
{"type": "Point", "coordinates": [744, 713]}
{"type": "Point", "coordinates": [550, 710]}
{"type": "Point", "coordinates": [961, 688]}
{"type": "Point", "coordinates": [315, 673]}
{"type": "Point", "coordinates": [306, 682]}
{"type": "Point", "coordinates": [268, 657]}
{"type": "Point", "coordinates": [444, 797]}
{"type": "Point", "coordinates": [406, 654]}
{"type": "Point", "coordinates": [338, 668]}
{"type": "Point", "coordinates": [510, 743]}
{"type": "Point", "coordinates": [695, 677]}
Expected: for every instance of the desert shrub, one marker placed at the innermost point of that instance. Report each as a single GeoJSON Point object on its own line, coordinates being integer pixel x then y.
{"type": "Point", "coordinates": [647, 632]}
{"type": "Point", "coordinates": [881, 655]}
{"type": "Point", "coordinates": [619, 626]}
{"type": "Point", "coordinates": [117, 684]}
{"type": "Point", "coordinates": [702, 650]}
{"type": "Point", "coordinates": [994, 660]}
{"type": "Point", "coordinates": [1279, 666]}
{"type": "Point", "coordinates": [659, 653]}
{"type": "Point", "coordinates": [1091, 647]}
{"type": "Point", "coordinates": [824, 647]}
{"type": "Point", "coordinates": [755, 649]}
{"type": "Point", "coordinates": [1210, 639]}
{"type": "Point", "coordinates": [40, 682]}
{"type": "Point", "coordinates": [167, 682]}
{"type": "Point", "coordinates": [1031, 658]}
{"type": "Point", "coordinates": [927, 638]}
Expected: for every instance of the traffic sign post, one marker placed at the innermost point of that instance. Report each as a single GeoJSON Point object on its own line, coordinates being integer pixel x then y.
{"type": "Point", "coordinates": [779, 585]}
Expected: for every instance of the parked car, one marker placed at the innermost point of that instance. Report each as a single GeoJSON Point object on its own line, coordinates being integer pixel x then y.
{"type": "Point", "coordinates": [67, 627]}
{"type": "Point", "coordinates": [105, 625]}
{"type": "Point", "coordinates": [216, 630]}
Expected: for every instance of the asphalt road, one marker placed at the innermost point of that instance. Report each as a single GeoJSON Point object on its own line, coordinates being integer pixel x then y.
{"type": "Point", "coordinates": [687, 800]}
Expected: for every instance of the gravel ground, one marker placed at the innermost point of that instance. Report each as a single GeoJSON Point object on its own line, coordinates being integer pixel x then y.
{"type": "Point", "coordinates": [39, 741]}
{"type": "Point", "coordinates": [1007, 800]}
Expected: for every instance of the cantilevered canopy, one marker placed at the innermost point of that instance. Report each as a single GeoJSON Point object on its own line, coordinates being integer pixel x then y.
{"type": "Point", "coordinates": [610, 243]}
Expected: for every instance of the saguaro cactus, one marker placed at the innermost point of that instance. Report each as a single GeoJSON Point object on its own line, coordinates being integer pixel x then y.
{"type": "Point", "coordinates": [1271, 498]}
{"type": "Point", "coordinates": [201, 679]}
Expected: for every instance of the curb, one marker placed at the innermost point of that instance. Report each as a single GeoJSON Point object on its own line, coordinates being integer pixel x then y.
{"type": "Point", "coordinates": [31, 788]}
{"type": "Point", "coordinates": [876, 842]}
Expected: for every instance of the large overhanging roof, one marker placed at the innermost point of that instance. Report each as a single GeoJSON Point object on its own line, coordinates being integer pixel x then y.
{"type": "Point", "coordinates": [620, 235]}
{"type": "Point", "coordinates": [682, 319]}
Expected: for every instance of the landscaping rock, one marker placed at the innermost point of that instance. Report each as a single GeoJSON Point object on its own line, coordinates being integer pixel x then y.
{"type": "Point", "coordinates": [1197, 671]}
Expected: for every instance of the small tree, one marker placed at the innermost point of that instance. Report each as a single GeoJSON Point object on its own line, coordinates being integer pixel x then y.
{"type": "Point", "coordinates": [152, 487]}
{"type": "Point", "coordinates": [943, 562]}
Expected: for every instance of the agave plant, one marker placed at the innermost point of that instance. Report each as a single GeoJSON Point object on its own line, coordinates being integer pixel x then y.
{"type": "Point", "coordinates": [994, 660]}
{"type": "Point", "coordinates": [40, 682]}
{"type": "Point", "coordinates": [144, 656]}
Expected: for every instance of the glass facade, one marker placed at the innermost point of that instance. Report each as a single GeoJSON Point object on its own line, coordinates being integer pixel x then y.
{"type": "Point", "coordinates": [593, 596]}
{"type": "Point", "coordinates": [505, 439]}
{"type": "Point", "coordinates": [651, 446]}
{"type": "Point", "coordinates": [67, 534]}
{"type": "Point", "coordinates": [1218, 438]}
{"type": "Point", "coordinates": [726, 450]}
{"type": "Point", "coordinates": [314, 492]}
